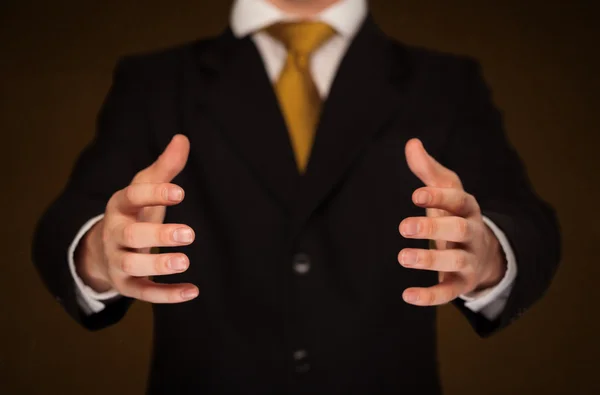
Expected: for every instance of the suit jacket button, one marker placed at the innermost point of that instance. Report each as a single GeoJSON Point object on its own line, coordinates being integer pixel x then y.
{"type": "Point", "coordinates": [301, 264]}
{"type": "Point", "coordinates": [301, 358]}
{"type": "Point", "coordinates": [300, 355]}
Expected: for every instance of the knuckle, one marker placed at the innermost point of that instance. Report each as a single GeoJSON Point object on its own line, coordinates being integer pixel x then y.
{"type": "Point", "coordinates": [460, 261]}
{"type": "Point", "coordinates": [163, 234]}
{"type": "Point", "coordinates": [431, 297]}
{"type": "Point", "coordinates": [436, 197]}
{"type": "Point", "coordinates": [127, 264]}
{"type": "Point", "coordinates": [463, 228]}
{"type": "Point", "coordinates": [106, 235]}
{"type": "Point", "coordinates": [115, 196]}
{"type": "Point", "coordinates": [160, 265]}
{"type": "Point", "coordinates": [455, 178]}
{"type": "Point", "coordinates": [110, 205]}
{"type": "Point", "coordinates": [425, 259]}
{"type": "Point", "coordinates": [129, 234]}
{"type": "Point", "coordinates": [430, 226]}
{"type": "Point", "coordinates": [130, 193]}
{"type": "Point", "coordinates": [139, 177]}
{"type": "Point", "coordinates": [161, 192]}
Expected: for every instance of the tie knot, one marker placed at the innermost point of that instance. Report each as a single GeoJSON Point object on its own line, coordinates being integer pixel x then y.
{"type": "Point", "coordinates": [301, 38]}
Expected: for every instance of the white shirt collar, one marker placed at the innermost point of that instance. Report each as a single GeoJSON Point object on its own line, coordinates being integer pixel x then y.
{"type": "Point", "coordinates": [250, 16]}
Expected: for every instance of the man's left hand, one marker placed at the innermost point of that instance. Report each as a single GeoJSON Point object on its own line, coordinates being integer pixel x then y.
{"type": "Point", "coordinates": [468, 255]}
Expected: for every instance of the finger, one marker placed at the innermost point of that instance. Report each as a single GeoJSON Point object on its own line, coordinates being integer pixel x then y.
{"type": "Point", "coordinates": [455, 229]}
{"type": "Point", "coordinates": [136, 196]}
{"type": "Point", "coordinates": [439, 294]}
{"type": "Point", "coordinates": [149, 291]}
{"type": "Point", "coordinates": [427, 169]}
{"type": "Point", "coordinates": [147, 235]}
{"type": "Point", "coordinates": [453, 200]}
{"type": "Point", "coordinates": [454, 260]}
{"type": "Point", "coordinates": [144, 265]}
{"type": "Point", "coordinates": [169, 164]}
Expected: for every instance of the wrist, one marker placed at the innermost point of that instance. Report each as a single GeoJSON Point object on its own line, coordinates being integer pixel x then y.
{"type": "Point", "coordinates": [89, 260]}
{"type": "Point", "coordinates": [497, 267]}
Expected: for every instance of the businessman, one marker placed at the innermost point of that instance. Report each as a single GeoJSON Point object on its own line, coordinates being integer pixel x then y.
{"type": "Point", "coordinates": [295, 196]}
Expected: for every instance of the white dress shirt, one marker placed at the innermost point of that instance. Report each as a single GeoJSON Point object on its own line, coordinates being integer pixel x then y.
{"type": "Point", "coordinates": [248, 17]}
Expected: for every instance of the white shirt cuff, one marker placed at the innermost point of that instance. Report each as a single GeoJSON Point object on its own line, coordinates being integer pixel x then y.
{"type": "Point", "coordinates": [490, 302]}
{"type": "Point", "coordinates": [89, 300]}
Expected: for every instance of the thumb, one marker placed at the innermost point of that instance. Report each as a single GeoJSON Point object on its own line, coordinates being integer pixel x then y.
{"type": "Point", "coordinates": [169, 164]}
{"type": "Point", "coordinates": [427, 169]}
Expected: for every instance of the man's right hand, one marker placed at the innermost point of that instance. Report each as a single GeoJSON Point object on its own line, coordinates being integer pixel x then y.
{"type": "Point", "coordinates": [116, 252]}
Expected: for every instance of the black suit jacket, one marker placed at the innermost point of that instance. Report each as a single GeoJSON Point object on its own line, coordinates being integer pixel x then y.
{"type": "Point", "coordinates": [255, 217]}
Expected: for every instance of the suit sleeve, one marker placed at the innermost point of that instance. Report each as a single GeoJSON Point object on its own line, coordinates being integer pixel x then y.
{"type": "Point", "coordinates": [120, 148]}
{"type": "Point", "coordinates": [491, 170]}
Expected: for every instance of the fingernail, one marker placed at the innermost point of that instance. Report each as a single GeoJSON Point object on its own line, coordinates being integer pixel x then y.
{"type": "Point", "coordinates": [411, 297]}
{"type": "Point", "coordinates": [422, 197]}
{"type": "Point", "coordinates": [189, 293]}
{"type": "Point", "coordinates": [183, 235]}
{"type": "Point", "coordinates": [177, 263]}
{"type": "Point", "coordinates": [175, 194]}
{"type": "Point", "coordinates": [409, 257]}
{"type": "Point", "coordinates": [410, 228]}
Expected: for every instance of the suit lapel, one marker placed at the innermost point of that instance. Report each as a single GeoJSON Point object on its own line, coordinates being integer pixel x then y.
{"type": "Point", "coordinates": [364, 97]}
{"type": "Point", "coordinates": [230, 85]}
{"type": "Point", "coordinates": [239, 97]}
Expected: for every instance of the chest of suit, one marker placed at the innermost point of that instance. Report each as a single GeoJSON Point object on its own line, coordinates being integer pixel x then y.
{"type": "Point", "coordinates": [284, 261]}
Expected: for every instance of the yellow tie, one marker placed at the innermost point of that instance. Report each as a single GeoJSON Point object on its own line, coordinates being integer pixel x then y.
{"type": "Point", "coordinates": [295, 89]}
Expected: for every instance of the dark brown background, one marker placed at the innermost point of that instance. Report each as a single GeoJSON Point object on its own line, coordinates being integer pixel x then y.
{"type": "Point", "coordinates": [56, 59]}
